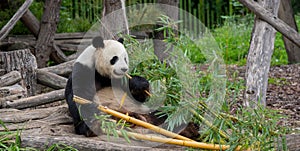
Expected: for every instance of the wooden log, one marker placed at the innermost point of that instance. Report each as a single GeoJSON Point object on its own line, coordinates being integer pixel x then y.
{"type": "Point", "coordinates": [273, 20]}
{"type": "Point", "coordinates": [12, 90]}
{"type": "Point", "coordinates": [11, 23]}
{"type": "Point", "coordinates": [34, 119]}
{"type": "Point", "coordinates": [24, 62]}
{"type": "Point", "coordinates": [87, 144]}
{"type": "Point", "coordinates": [259, 57]}
{"type": "Point", "coordinates": [31, 22]}
{"type": "Point", "coordinates": [77, 36]}
{"type": "Point", "coordinates": [11, 98]}
{"type": "Point", "coordinates": [20, 116]}
{"type": "Point", "coordinates": [23, 116]}
{"type": "Point", "coordinates": [51, 80]}
{"type": "Point", "coordinates": [10, 78]}
{"type": "Point", "coordinates": [63, 69]}
{"type": "Point", "coordinates": [36, 100]}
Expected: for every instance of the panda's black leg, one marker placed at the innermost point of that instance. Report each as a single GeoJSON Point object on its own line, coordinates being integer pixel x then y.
{"type": "Point", "coordinates": [80, 126]}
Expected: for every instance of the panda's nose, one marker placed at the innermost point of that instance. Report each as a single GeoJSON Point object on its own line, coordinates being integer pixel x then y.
{"type": "Point", "coordinates": [124, 69]}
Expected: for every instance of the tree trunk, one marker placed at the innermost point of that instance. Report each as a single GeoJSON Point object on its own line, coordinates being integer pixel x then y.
{"type": "Point", "coordinates": [259, 57]}
{"type": "Point", "coordinates": [45, 42]}
{"type": "Point", "coordinates": [286, 14]}
{"type": "Point", "coordinates": [273, 20]}
{"type": "Point", "coordinates": [160, 47]}
{"type": "Point", "coordinates": [24, 62]}
{"type": "Point", "coordinates": [116, 17]}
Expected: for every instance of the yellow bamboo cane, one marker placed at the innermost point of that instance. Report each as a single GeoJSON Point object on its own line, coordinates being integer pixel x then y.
{"type": "Point", "coordinates": [180, 140]}
{"type": "Point", "coordinates": [175, 141]}
{"type": "Point", "coordinates": [133, 120]}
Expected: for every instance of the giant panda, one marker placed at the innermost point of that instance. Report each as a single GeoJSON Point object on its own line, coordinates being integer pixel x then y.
{"type": "Point", "coordinates": [97, 73]}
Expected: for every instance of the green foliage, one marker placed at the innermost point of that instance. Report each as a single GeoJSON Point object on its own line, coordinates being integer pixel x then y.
{"type": "Point", "coordinates": [234, 39]}
{"type": "Point", "coordinates": [278, 81]}
{"type": "Point", "coordinates": [257, 129]}
{"type": "Point", "coordinates": [66, 23]}
{"type": "Point", "coordinates": [61, 147]}
{"type": "Point", "coordinates": [111, 127]}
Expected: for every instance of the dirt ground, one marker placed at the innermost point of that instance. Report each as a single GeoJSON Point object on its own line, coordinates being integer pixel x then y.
{"type": "Point", "coordinates": [283, 91]}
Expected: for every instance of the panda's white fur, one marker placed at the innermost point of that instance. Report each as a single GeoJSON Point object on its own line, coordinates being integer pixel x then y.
{"type": "Point", "coordinates": [103, 58]}
{"type": "Point", "coordinates": [93, 73]}
{"type": "Point", "coordinates": [112, 96]}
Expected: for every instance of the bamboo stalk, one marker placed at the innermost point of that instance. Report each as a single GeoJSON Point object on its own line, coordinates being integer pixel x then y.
{"type": "Point", "coordinates": [179, 140]}
{"type": "Point", "coordinates": [133, 120]}
{"type": "Point", "coordinates": [176, 141]}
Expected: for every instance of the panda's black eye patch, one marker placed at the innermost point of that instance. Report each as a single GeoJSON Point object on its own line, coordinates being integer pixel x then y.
{"type": "Point", "coordinates": [114, 60]}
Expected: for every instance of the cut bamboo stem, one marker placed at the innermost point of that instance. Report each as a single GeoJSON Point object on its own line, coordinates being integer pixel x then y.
{"type": "Point", "coordinates": [133, 120]}
{"type": "Point", "coordinates": [179, 140]}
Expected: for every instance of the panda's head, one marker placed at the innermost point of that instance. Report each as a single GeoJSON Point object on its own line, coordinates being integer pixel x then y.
{"type": "Point", "coordinates": [111, 57]}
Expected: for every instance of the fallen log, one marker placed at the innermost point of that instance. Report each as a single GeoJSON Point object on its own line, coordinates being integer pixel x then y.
{"type": "Point", "coordinates": [83, 143]}
{"type": "Point", "coordinates": [11, 90]}
{"type": "Point", "coordinates": [51, 80]}
{"type": "Point", "coordinates": [20, 116]}
{"type": "Point", "coordinates": [33, 119]}
{"type": "Point", "coordinates": [10, 98]}
{"type": "Point", "coordinates": [63, 69]}
{"type": "Point", "coordinates": [10, 78]}
{"type": "Point", "coordinates": [36, 100]}
{"type": "Point", "coordinates": [12, 22]}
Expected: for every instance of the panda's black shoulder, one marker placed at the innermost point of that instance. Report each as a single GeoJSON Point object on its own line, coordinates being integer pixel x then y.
{"type": "Point", "coordinates": [101, 81]}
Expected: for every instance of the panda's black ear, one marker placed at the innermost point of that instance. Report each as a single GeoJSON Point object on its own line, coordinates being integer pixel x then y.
{"type": "Point", "coordinates": [98, 42]}
{"type": "Point", "coordinates": [121, 40]}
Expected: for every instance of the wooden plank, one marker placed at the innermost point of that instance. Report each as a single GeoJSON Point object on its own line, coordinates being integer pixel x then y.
{"type": "Point", "coordinates": [12, 22]}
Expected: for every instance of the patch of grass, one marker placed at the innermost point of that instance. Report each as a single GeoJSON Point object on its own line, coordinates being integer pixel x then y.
{"type": "Point", "coordinates": [234, 39]}
{"type": "Point", "coordinates": [278, 81]}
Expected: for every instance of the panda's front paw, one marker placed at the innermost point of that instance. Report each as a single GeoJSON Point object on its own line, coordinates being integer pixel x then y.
{"type": "Point", "coordinates": [138, 85]}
